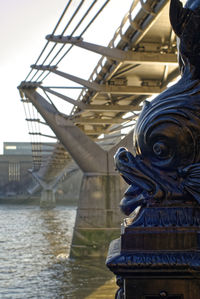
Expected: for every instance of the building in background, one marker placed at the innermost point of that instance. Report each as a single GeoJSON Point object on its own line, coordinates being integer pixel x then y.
{"type": "Point", "coordinates": [14, 165]}
{"type": "Point", "coordinates": [15, 179]}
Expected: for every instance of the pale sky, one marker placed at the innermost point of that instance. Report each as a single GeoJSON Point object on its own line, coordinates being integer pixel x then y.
{"type": "Point", "coordinates": [24, 25]}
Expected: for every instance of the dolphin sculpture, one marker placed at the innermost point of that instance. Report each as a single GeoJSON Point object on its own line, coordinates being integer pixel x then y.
{"type": "Point", "coordinates": [164, 168]}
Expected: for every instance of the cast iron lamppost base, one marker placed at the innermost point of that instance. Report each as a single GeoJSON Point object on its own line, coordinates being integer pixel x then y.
{"type": "Point", "coordinates": [158, 253]}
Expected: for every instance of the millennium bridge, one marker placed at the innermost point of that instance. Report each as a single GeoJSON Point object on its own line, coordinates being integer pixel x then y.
{"type": "Point", "coordinates": [85, 90]}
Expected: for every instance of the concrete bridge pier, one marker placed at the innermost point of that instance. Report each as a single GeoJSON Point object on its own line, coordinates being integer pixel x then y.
{"type": "Point", "coordinates": [48, 199]}
{"type": "Point", "coordinates": [49, 175]}
{"type": "Point", "coordinates": [98, 216]}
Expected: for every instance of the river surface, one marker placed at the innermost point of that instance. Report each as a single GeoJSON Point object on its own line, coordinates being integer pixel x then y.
{"type": "Point", "coordinates": [34, 263]}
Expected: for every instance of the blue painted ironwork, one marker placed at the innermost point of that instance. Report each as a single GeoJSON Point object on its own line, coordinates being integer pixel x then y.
{"type": "Point", "coordinates": [165, 166]}
{"type": "Point", "coordinates": [158, 254]}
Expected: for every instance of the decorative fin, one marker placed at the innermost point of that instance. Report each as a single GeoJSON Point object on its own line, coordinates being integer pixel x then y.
{"type": "Point", "coordinates": [192, 180]}
{"type": "Point", "coordinates": [192, 4]}
{"type": "Point", "coordinates": [175, 13]}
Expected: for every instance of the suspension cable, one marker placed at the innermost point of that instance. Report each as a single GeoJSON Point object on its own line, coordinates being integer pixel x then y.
{"type": "Point", "coordinates": [77, 26]}
{"type": "Point", "coordinates": [54, 30]}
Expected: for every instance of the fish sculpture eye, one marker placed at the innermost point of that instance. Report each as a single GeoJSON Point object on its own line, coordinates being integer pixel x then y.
{"type": "Point", "coordinates": [161, 150]}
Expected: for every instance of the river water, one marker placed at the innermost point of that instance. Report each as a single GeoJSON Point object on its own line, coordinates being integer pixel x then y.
{"type": "Point", "coordinates": [34, 263]}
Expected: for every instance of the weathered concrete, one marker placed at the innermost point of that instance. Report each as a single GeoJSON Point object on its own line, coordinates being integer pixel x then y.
{"type": "Point", "coordinates": [98, 216]}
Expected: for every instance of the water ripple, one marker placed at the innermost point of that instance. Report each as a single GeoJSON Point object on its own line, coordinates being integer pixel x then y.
{"type": "Point", "coordinates": [34, 249]}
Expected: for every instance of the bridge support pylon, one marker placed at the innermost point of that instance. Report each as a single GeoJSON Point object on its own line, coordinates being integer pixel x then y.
{"type": "Point", "coordinates": [47, 199]}
{"type": "Point", "coordinates": [98, 215]}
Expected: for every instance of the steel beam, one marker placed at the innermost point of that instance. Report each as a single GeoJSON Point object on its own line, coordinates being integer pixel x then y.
{"type": "Point", "coordinates": [93, 133]}
{"type": "Point", "coordinates": [137, 90]}
{"type": "Point", "coordinates": [36, 120]}
{"type": "Point", "coordinates": [65, 98]}
{"type": "Point", "coordinates": [48, 185]}
{"type": "Point", "coordinates": [111, 108]}
{"type": "Point", "coordinates": [86, 107]}
{"type": "Point", "coordinates": [88, 84]}
{"type": "Point", "coordinates": [44, 135]}
{"type": "Point", "coordinates": [87, 154]}
{"type": "Point", "coordinates": [99, 121]}
{"type": "Point", "coordinates": [144, 90]}
{"type": "Point", "coordinates": [117, 54]}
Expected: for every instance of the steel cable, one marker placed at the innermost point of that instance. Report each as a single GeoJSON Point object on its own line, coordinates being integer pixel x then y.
{"type": "Point", "coordinates": [54, 46]}
{"type": "Point", "coordinates": [77, 26]}
{"type": "Point", "coordinates": [85, 29]}
{"type": "Point", "coordinates": [58, 23]}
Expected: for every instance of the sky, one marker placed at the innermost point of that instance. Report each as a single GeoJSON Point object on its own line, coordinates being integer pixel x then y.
{"type": "Point", "coordinates": [23, 27]}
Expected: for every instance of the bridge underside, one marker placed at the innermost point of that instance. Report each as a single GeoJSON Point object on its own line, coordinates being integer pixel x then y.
{"type": "Point", "coordinates": [137, 64]}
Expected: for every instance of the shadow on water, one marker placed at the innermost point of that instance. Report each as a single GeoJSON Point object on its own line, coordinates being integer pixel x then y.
{"type": "Point", "coordinates": [76, 278]}
{"type": "Point", "coordinates": [84, 279]}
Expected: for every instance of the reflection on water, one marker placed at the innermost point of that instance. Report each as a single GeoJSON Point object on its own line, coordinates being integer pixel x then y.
{"type": "Point", "coordinates": [34, 248]}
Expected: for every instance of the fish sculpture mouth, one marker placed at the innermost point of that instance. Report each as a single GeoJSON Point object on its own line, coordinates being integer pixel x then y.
{"type": "Point", "coordinates": [143, 189]}
{"type": "Point", "coordinates": [150, 187]}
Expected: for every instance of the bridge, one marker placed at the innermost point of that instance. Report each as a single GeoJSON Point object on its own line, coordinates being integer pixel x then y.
{"type": "Point", "coordinates": [105, 83]}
